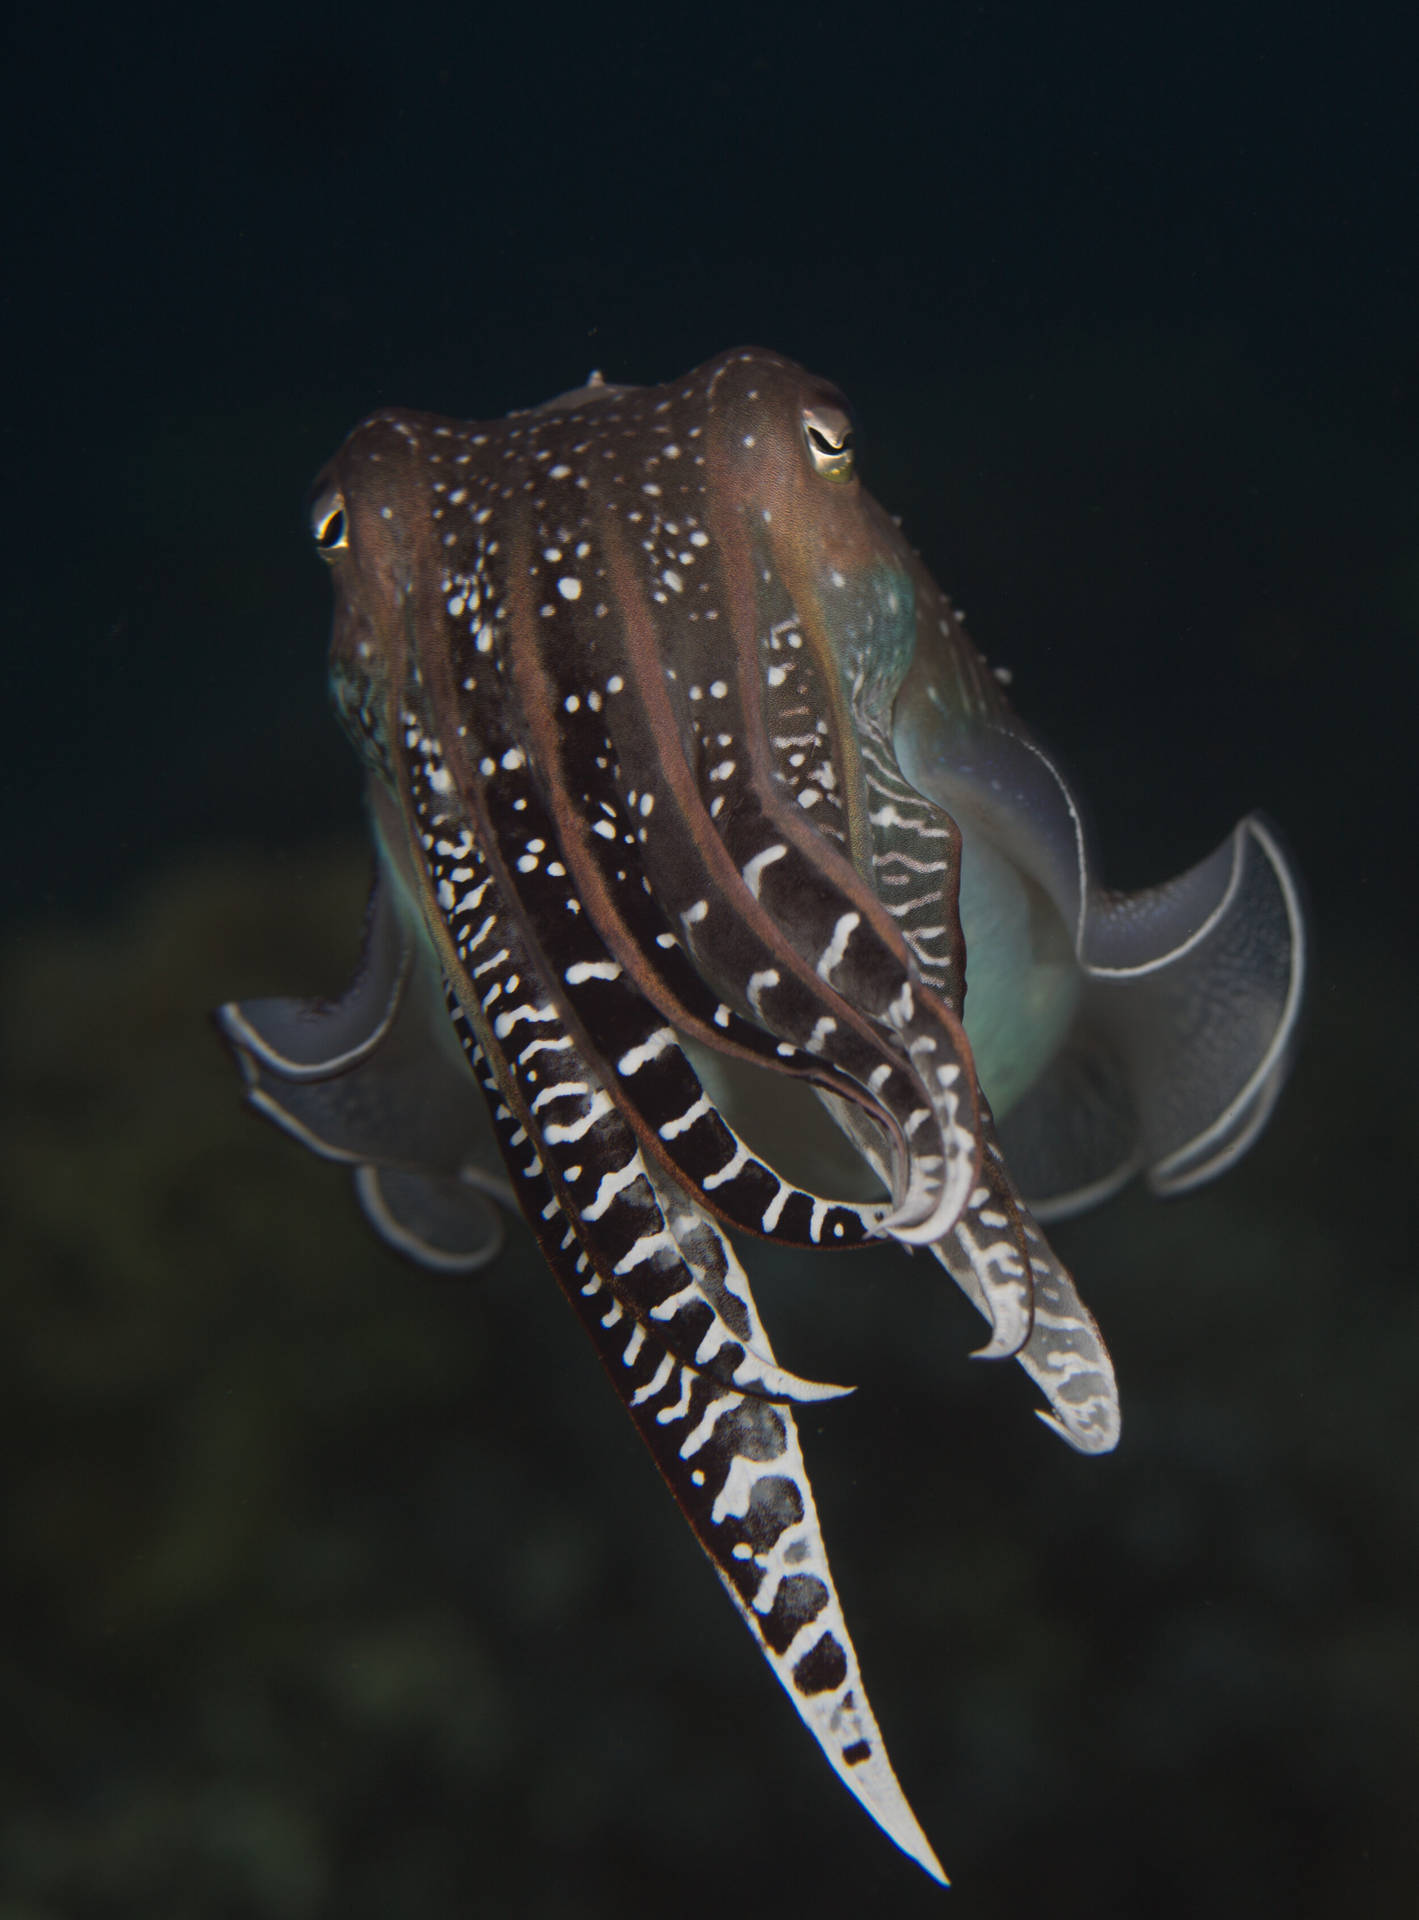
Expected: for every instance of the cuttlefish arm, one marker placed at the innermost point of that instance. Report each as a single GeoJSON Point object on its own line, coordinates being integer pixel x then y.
{"type": "Point", "coordinates": [733, 1462]}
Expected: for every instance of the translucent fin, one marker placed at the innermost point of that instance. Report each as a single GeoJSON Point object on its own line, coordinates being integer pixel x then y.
{"type": "Point", "coordinates": [408, 1103]}
{"type": "Point", "coordinates": [376, 1080]}
{"type": "Point", "coordinates": [1072, 1140]}
{"type": "Point", "coordinates": [437, 1221]}
{"type": "Point", "coordinates": [1205, 1004]}
{"type": "Point", "coordinates": [315, 1039]}
{"type": "Point", "coordinates": [1190, 992]}
{"type": "Point", "coordinates": [1184, 1033]}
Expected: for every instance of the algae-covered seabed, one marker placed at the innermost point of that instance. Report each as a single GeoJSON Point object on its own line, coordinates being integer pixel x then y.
{"type": "Point", "coordinates": [334, 1589]}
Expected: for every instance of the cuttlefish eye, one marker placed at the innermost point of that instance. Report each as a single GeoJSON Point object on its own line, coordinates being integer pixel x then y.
{"type": "Point", "coordinates": [828, 433]}
{"type": "Point", "coordinates": [329, 523]}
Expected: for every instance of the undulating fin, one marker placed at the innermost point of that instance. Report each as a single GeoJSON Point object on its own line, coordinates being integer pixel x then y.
{"type": "Point", "coordinates": [1183, 1036]}
{"type": "Point", "coordinates": [1189, 993]}
{"type": "Point", "coordinates": [432, 1218]}
{"type": "Point", "coordinates": [1200, 982]}
{"type": "Point", "coordinates": [318, 1039]}
{"type": "Point", "coordinates": [1072, 1138]}
{"type": "Point", "coordinates": [376, 1080]}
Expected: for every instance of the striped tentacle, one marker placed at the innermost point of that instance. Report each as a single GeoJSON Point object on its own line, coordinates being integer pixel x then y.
{"type": "Point", "coordinates": [589, 761]}
{"type": "Point", "coordinates": [914, 852]}
{"type": "Point", "coordinates": [735, 1467]}
{"type": "Point", "coordinates": [826, 907]}
{"type": "Point", "coordinates": [1066, 1357]}
{"type": "Point", "coordinates": [1063, 1351]}
{"type": "Point", "coordinates": [833, 922]}
{"type": "Point", "coordinates": [637, 1056]}
{"type": "Point", "coordinates": [552, 1108]}
{"type": "Point", "coordinates": [660, 969]}
{"type": "Point", "coordinates": [916, 858]}
{"type": "Point", "coordinates": [597, 828]}
{"type": "Point", "coordinates": [568, 659]}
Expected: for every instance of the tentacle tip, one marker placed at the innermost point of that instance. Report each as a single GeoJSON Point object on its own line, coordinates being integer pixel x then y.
{"type": "Point", "coordinates": [806, 1391]}
{"type": "Point", "coordinates": [777, 1383]}
{"type": "Point", "coordinates": [1102, 1438]}
{"type": "Point", "coordinates": [917, 1847]}
{"type": "Point", "coordinates": [1004, 1344]}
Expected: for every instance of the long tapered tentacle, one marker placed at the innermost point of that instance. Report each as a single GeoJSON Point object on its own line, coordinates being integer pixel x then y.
{"type": "Point", "coordinates": [780, 980]}
{"type": "Point", "coordinates": [734, 1465]}
{"type": "Point", "coordinates": [552, 1100]}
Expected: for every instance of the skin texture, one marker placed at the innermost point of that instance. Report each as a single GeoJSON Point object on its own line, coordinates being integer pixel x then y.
{"type": "Point", "coordinates": [694, 807]}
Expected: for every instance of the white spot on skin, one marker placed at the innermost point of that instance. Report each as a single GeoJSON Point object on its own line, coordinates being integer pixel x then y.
{"type": "Point", "coordinates": [686, 1120]}
{"type": "Point", "coordinates": [655, 1383]}
{"type": "Point", "coordinates": [774, 1210]}
{"type": "Point", "coordinates": [754, 871]}
{"type": "Point", "coordinates": [759, 984]}
{"type": "Point", "coordinates": [832, 954]}
{"type": "Point", "coordinates": [649, 1049]}
{"type": "Point", "coordinates": [584, 970]}
{"type": "Point", "coordinates": [610, 1184]}
{"type": "Point", "coordinates": [569, 588]}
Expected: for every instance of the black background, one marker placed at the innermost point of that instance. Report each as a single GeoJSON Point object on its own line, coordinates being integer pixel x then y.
{"type": "Point", "coordinates": [337, 1592]}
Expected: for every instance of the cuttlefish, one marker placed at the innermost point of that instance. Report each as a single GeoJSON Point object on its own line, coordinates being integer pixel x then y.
{"type": "Point", "coordinates": [695, 813]}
